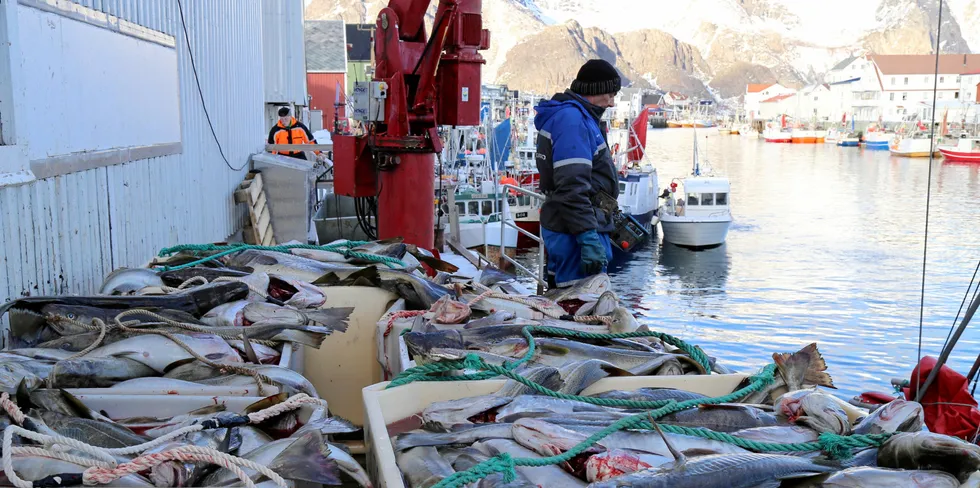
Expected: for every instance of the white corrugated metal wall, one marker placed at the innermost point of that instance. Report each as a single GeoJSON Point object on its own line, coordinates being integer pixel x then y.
{"type": "Point", "coordinates": [64, 234]}
{"type": "Point", "coordinates": [284, 51]}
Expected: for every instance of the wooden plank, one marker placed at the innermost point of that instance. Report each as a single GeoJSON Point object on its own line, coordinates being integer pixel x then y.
{"type": "Point", "coordinates": [298, 147]}
{"type": "Point", "coordinates": [241, 196]}
{"type": "Point", "coordinates": [248, 234]}
{"type": "Point", "coordinates": [259, 204]}
{"type": "Point", "coordinates": [255, 188]}
{"type": "Point", "coordinates": [263, 223]}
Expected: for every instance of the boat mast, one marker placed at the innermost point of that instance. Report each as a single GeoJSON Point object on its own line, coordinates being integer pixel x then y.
{"type": "Point", "coordinates": [697, 166]}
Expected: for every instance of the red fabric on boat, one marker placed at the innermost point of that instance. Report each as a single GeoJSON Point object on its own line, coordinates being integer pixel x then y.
{"type": "Point", "coordinates": [638, 136]}
{"type": "Point", "coordinates": [876, 397]}
{"type": "Point", "coordinates": [948, 406]}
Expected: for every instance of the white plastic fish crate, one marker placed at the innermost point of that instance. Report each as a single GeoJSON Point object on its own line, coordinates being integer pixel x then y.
{"type": "Point", "coordinates": [383, 407]}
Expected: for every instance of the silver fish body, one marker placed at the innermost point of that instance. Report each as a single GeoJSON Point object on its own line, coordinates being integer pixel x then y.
{"type": "Point", "coordinates": [579, 375]}
{"type": "Point", "coordinates": [159, 352]}
{"type": "Point", "coordinates": [887, 478]}
{"type": "Point", "coordinates": [459, 436]}
{"type": "Point", "coordinates": [290, 380]}
{"type": "Point", "coordinates": [126, 280]}
{"type": "Point", "coordinates": [445, 415]}
{"type": "Point", "coordinates": [423, 466]}
{"type": "Point", "coordinates": [231, 314]}
{"type": "Point", "coordinates": [926, 450]}
{"type": "Point", "coordinates": [550, 476]}
{"type": "Point", "coordinates": [651, 395]}
{"type": "Point", "coordinates": [539, 406]}
{"type": "Point", "coordinates": [277, 263]}
{"type": "Point", "coordinates": [96, 372]}
{"type": "Point", "coordinates": [721, 418]}
{"type": "Point", "coordinates": [306, 458]}
{"type": "Point", "coordinates": [745, 470]}
{"type": "Point", "coordinates": [780, 434]}
{"type": "Point", "coordinates": [34, 468]}
{"type": "Point", "coordinates": [93, 432]}
{"type": "Point", "coordinates": [305, 295]}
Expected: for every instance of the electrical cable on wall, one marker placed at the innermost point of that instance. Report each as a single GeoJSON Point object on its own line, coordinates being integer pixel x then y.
{"type": "Point", "coordinates": [200, 91]}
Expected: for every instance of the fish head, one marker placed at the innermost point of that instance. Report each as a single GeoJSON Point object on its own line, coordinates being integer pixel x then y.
{"type": "Point", "coordinates": [623, 321]}
{"type": "Point", "coordinates": [228, 314]}
{"type": "Point", "coordinates": [420, 344]}
{"type": "Point", "coordinates": [823, 414]}
{"type": "Point", "coordinates": [896, 416]}
{"type": "Point", "coordinates": [618, 462]}
{"type": "Point", "coordinates": [171, 473]}
{"type": "Point", "coordinates": [446, 310]}
{"type": "Point", "coordinates": [295, 293]}
{"type": "Point", "coordinates": [546, 438]}
{"type": "Point", "coordinates": [788, 405]}
{"type": "Point", "coordinates": [442, 416]}
{"type": "Point", "coordinates": [608, 302]}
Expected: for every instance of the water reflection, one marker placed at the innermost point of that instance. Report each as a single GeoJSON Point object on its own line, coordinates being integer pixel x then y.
{"type": "Point", "coordinates": [703, 272]}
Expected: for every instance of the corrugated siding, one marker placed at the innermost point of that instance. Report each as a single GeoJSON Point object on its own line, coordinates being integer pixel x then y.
{"type": "Point", "coordinates": [323, 94]}
{"type": "Point", "coordinates": [285, 59]}
{"type": "Point", "coordinates": [64, 234]}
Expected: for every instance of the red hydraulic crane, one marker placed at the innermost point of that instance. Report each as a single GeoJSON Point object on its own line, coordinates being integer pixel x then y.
{"type": "Point", "coordinates": [419, 84]}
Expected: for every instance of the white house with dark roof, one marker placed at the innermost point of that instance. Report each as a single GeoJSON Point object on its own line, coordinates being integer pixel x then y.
{"type": "Point", "coordinates": [906, 83]}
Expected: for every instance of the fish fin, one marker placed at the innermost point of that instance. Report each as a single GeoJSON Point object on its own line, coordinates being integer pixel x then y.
{"type": "Point", "coordinates": [176, 364]}
{"type": "Point", "coordinates": [208, 410]}
{"type": "Point", "coordinates": [679, 458]}
{"type": "Point", "coordinates": [699, 451]}
{"type": "Point", "coordinates": [23, 396]}
{"type": "Point", "coordinates": [249, 350]}
{"type": "Point", "coordinates": [614, 370]}
{"type": "Point", "coordinates": [553, 349]}
{"type": "Point", "coordinates": [804, 367]}
{"type": "Point", "coordinates": [329, 279]}
{"type": "Point", "coordinates": [369, 276]}
{"type": "Point", "coordinates": [306, 338]}
{"type": "Point", "coordinates": [266, 402]}
{"type": "Point", "coordinates": [307, 459]}
{"type": "Point", "coordinates": [390, 240]}
{"type": "Point", "coordinates": [333, 425]}
{"type": "Point", "coordinates": [335, 318]}
{"type": "Point", "coordinates": [436, 264]}
{"type": "Point", "coordinates": [265, 260]}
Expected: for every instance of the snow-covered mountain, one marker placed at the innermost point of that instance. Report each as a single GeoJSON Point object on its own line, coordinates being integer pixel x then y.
{"type": "Point", "coordinates": [698, 46]}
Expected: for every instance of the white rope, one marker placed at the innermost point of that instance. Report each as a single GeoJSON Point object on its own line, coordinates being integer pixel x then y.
{"type": "Point", "coordinates": [40, 452]}
{"type": "Point", "coordinates": [97, 476]}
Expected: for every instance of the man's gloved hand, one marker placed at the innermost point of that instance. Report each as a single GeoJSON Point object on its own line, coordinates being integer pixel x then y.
{"type": "Point", "coordinates": [593, 252]}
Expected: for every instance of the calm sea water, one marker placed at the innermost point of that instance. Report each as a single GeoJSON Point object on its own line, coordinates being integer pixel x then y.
{"type": "Point", "coordinates": [826, 247]}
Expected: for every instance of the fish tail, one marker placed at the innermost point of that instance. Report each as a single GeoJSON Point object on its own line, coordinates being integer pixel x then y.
{"type": "Point", "coordinates": [804, 367]}
{"type": "Point", "coordinates": [307, 459]}
{"type": "Point", "coordinates": [334, 318]}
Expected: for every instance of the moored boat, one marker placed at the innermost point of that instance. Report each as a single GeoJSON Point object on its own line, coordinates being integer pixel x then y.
{"type": "Point", "coordinates": [966, 150]}
{"type": "Point", "coordinates": [775, 134]}
{"type": "Point", "coordinates": [849, 140]}
{"type": "Point", "coordinates": [877, 138]}
{"type": "Point", "coordinates": [700, 216]}
{"type": "Point", "coordinates": [914, 146]}
{"type": "Point", "coordinates": [674, 124]}
{"type": "Point", "coordinates": [801, 136]}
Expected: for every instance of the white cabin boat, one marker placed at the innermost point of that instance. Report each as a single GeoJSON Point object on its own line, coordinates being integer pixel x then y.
{"type": "Point", "coordinates": [480, 222]}
{"type": "Point", "coordinates": [638, 195]}
{"type": "Point", "coordinates": [698, 212]}
{"type": "Point", "coordinates": [966, 150]}
{"type": "Point", "coordinates": [913, 146]}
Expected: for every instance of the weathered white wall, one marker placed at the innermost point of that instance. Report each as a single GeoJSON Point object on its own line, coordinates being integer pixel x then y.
{"type": "Point", "coordinates": [284, 54]}
{"type": "Point", "coordinates": [64, 233]}
{"type": "Point", "coordinates": [79, 83]}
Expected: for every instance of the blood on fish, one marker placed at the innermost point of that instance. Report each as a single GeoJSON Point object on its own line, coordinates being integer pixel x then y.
{"type": "Point", "coordinates": [281, 290]}
{"type": "Point", "coordinates": [613, 465]}
{"type": "Point", "coordinates": [571, 306]}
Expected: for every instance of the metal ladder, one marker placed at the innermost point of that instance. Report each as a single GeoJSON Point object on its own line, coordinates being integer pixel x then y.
{"type": "Point", "coordinates": [507, 220]}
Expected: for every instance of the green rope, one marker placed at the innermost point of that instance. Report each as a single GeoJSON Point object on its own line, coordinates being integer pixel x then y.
{"type": "Point", "coordinates": [838, 446]}
{"type": "Point", "coordinates": [344, 248]}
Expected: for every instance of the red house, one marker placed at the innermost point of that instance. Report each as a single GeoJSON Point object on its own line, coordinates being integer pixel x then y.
{"type": "Point", "coordinates": [326, 67]}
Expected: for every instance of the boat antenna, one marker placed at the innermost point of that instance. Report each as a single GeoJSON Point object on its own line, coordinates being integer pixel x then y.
{"type": "Point", "coordinates": [920, 391]}
{"type": "Point", "coordinates": [697, 166]}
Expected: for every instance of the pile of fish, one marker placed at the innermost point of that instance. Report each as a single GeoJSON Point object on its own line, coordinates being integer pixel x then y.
{"type": "Point", "coordinates": [454, 436]}
{"type": "Point", "coordinates": [218, 326]}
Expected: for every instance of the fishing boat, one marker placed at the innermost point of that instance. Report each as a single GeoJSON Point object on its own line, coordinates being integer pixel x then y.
{"type": "Point", "coordinates": [821, 136]}
{"type": "Point", "coordinates": [697, 212]}
{"type": "Point", "coordinates": [674, 124]}
{"type": "Point", "coordinates": [849, 140]}
{"type": "Point", "coordinates": [776, 134]}
{"type": "Point", "coordinates": [918, 145]}
{"type": "Point", "coordinates": [703, 123]}
{"type": "Point", "coordinates": [724, 131]}
{"type": "Point", "coordinates": [877, 138]}
{"type": "Point", "coordinates": [480, 222]}
{"type": "Point", "coordinates": [966, 150]}
{"type": "Point", "coordinates": [638, 186]}
{"type": "Point", "coordinates": [687, 123]}
{"type": "Point", "coordinates": [803, 136]}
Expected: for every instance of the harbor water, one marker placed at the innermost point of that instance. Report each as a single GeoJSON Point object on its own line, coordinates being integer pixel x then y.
{"type": "Point", "coordinates": [826, 246]}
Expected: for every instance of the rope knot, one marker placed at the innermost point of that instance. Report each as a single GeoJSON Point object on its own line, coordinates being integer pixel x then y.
{"type": "Point", "coordinates": [509, 468]}
{"type": "Point", "coordinates": [472, 361]}
{"type": "Point", "coordinates": [839, 446]}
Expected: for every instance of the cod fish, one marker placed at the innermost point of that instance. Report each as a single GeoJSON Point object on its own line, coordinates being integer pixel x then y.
{"type": "Point", "coordinates": [12, 375]}
{"type": "Point", "coordinates": [559, 352]}
{"type": "Point", "coordinates": [177, 277]}
{"type": "Point", "coordinates": [282, 264]}
{"type": "Point", "coordinates": [36, 353]}
{"type": "Point", "coordinates": [348, 465]}
{"type": "Point", "coordinates": [651, 395]}
{"type": "Point", "coordinates": [804, 368]}
{"type": "Point", "coordinates": [721, 418]}
{"type": "Point", "coordinates": [868, 477]}
{"type": "Point", "coordinates": [779, 434]}
{"type": "Point", "coordinates": [160, 353]}
{"type": "Point", "coordinates": [460, 435]}
{"type": "Point", "coordinates": [543, 375]}
{"type": "Point", "coordinates": [551, 476]}
{"type": "Point", "coordinates": [541, 406]}
{"type": "Point", "coordinates": [423, 466]}
{"type": "Point", "coordinates": [419, 293]}
{"type": "Point", "coordinates": [449, 311]}
{"type": "Point", "coordinates": [96, 372]}
{"type": "Point", "coordinates": [295, 293]}
{"type": "Point", "coordinates": [896, 416]}
{"type": "Point", "coordinates": [306, 458]}
{"type": "Point", "coordinates": [33, 468]}
{"type": "Point", "coordinates": [926, 450]}
{"type": "Point", "coordinates": [745, 470]}
{"type": "Point", "coordinates": [445, 415]}
{"type": "Point", "coordinates": [618, 462]}
{"type": "Point", "coordinates": [249, 314]}
{"type": "Point", "coordinates": [290, 381]}
{"type": "Point", "coordinates": [582, 296]}
{"type": "Point", "coordinates": [127, 280]}
{"type": "Point", "coordinates": [579, 375]}
{"type": "Point", "coordinates": [469, 457]}
{"type": "Point", "coordinates": [815, 409]}
{"type": "Point", "coordinates": [543, 307]}
{"type": "Point", "coordinates": [97, 433]}
{"type": "Point", "coordinates": [55, 314]}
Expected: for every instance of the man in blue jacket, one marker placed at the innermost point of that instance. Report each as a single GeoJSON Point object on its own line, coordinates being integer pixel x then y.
{"type": "Point", "coordinates": [575, 164]}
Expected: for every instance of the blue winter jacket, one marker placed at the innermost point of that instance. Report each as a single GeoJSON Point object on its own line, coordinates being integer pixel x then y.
{"type": "Point", "coordinates": [575, 163]}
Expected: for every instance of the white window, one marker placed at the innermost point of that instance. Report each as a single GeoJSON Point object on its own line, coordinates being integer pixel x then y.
{"type": "Point", "coordinates": [905, 95]}
{"type": "Point", "coordinates": [721, 199]}
{"type": "Point", "coordinates": [622, 187]}
{"type": "Point", "coordinates": [707, 199]}
{"type": "Point", "coordinates": [891, 96]}
{"type": "Point", "coordinates": [956, 95]}
{"type": "Point", "coordinates": [942, 95]}
{"type": "Point", "coordinates": [487, 207]}
{"type": "Point", "coordinates": [461, 208]}
{"type": "Point", "coordinates": [906, 80]}
{"type": "Point", "coordinates": [927, 79]}
{"type": "Point", "coordinates": [893, 80]}
{"type": "Point", "coordinates": [693, 198]}
{"type": "Point", "coordinates": [474, 208]}
{"type": "Point", "coordinates": [942, 79]}
{"type": "Point", "coordinates": [957, 78]}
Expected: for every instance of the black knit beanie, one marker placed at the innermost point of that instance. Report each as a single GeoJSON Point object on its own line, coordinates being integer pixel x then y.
{"type": "Point", "coordinates": [597, 77]}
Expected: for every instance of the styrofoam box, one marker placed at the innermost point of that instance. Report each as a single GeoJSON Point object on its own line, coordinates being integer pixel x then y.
{"type": "Point", "coordinates": [383, 407]}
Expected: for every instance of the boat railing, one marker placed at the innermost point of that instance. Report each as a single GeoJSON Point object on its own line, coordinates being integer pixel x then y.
{"type": "Point", "coordinates": [508, 220]}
